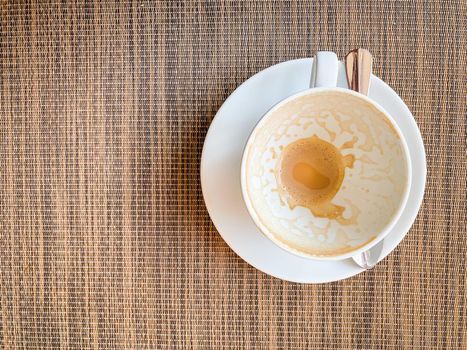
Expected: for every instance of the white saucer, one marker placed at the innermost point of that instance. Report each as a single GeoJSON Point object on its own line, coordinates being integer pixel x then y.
{"type": "Point", "coordinates": [220, 171]}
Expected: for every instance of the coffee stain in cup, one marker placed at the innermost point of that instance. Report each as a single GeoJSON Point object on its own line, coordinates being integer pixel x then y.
{"type": "Point", "coordinates": [310, 173]}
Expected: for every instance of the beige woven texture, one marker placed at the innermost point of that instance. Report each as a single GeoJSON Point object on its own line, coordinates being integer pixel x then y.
{"type": "Point", "coordinates": [105, 239]}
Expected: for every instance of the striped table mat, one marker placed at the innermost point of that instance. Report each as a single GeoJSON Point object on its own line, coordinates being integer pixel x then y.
{"type": "Point", "coordinates": [105, 240]}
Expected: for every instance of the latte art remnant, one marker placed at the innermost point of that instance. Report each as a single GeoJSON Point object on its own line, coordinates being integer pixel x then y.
{"type": "Point", "coordinates": [310, 174]}
{"type": "Point", "coordinates": [324, 173]}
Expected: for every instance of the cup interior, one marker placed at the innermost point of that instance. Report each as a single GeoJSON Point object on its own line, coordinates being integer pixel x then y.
{"type": "Point", "coordinates": [373, 190]}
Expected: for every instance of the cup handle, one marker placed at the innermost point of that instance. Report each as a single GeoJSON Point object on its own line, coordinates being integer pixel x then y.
{"type": "Point", "coordinates": [324, 70]}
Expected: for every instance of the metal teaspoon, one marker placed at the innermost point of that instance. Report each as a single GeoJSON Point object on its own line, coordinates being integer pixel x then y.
{"type": "Point", "coordinates": [358, 65]}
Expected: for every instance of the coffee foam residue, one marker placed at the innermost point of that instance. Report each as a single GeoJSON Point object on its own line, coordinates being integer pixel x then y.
{"type": "Point", "coordinates": [364, 145]}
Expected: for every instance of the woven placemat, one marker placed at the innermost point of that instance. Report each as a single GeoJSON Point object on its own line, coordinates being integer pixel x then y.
{"type": "Point", "coordinates": [105, 239]}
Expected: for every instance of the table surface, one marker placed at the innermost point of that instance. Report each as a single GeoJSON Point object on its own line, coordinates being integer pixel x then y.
{"type": "Point", "coordinates": [105, 239]}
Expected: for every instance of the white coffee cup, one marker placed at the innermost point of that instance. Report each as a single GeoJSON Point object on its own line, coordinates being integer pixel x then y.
{"type": "Point", "coordinates": [373, 192]}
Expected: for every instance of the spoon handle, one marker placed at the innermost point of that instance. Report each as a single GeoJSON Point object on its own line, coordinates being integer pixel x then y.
{"type": "Point", "coordinates": [358, 65]}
